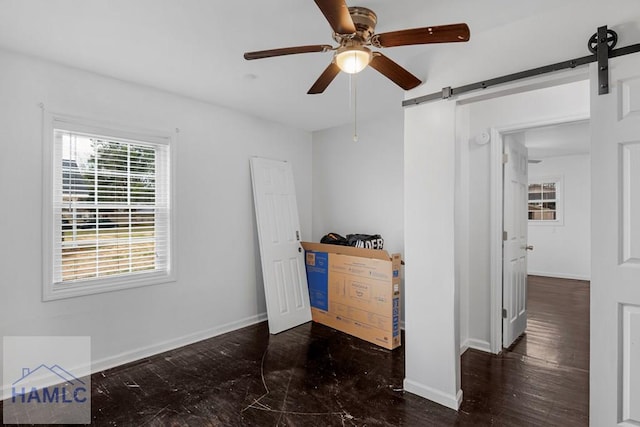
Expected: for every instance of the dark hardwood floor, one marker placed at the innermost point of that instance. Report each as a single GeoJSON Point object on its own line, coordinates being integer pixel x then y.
{"type": "Point", "coordinates": [558, 322]}
{"type": "Point", "coordinates": [543, 378]}
{"type": "Point", "coordinates": [315, 376]}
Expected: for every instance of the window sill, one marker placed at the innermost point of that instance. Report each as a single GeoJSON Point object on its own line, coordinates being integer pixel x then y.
{"type": "Point", "coordinates": [557, 223]}
{"type": "Point", "coordinates": [59, 291]}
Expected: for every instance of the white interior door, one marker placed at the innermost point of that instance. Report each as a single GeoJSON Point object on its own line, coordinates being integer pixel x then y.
{"type": "Point", "coordinates": [514, 260]}
{"type": "Point", "coordinates": [615, 253]}
{"type": "Point", "coordinates": [282, 258]}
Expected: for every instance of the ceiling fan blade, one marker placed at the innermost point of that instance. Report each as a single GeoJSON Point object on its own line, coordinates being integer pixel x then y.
{"type": "Point", "coordinates": [325, 79]}
{"type": "Point", "coordinates": [337, 13]}
{"type": "Point", "coordinates": [438, 34]}
{"type": "Point", "coordinates": [287, 51]}
{"type": "Point", "coordinates": [393, 71]}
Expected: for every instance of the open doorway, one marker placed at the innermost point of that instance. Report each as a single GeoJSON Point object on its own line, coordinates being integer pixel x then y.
{"type": "Point", "coordinates": [546, 250]}
{"type": "Point", "coordinates": [484, 122]}
{"type": "Point", "coordinates": [529, 116]}
{"type": "Point", "coordinates": [546, 214]}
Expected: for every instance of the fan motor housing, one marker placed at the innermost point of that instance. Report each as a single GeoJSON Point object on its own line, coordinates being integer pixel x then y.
{"type": "Point", "coordinates": [365, 21]}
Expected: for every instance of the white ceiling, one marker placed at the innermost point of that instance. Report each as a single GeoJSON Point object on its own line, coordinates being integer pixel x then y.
{"type": "Point", "coordinates": [558, 140]}
{"type": "Point", "coordinates": [194, 48]}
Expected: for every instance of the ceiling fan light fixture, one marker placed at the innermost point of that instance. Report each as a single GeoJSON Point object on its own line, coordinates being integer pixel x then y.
{"type": "Point", "coordinates": [353, 59]}
{"type": "Point", "coordinates": [354, 32]}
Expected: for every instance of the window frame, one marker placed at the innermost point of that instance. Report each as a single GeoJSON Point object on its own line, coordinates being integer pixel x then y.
{"type": "Point", "coordinates": [55, 291]}
{"type": "Point", "coordinates": [558, 180]}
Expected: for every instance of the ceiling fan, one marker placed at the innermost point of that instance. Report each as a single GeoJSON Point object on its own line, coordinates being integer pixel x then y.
{"type": "Point", "coordinates": [353, 29]}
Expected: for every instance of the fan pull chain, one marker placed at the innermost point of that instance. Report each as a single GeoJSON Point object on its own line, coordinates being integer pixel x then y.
{"type": "Point", "coordinates": [350, 90]}
{"type": "Point", "coordinates": [355, 108]}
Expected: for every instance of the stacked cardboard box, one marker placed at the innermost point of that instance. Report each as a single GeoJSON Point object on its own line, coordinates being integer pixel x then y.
{"type": "Point", "coordinates": [356, 291]}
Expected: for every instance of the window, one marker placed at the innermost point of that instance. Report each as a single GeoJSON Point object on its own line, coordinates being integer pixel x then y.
{"type": "Point", "coordinates": [544, 200]}
{"type": "Point", "coordinates": [110, 211]}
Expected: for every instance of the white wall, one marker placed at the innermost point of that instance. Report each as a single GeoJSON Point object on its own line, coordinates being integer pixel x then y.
{"type": "Point", "coordinates": [358, 186]}
{"type": "Point", "coordinates": [219, 285]}
{"type": "Point", "coordinates": [432, 363]}
{"type": "Point", "coordinates": [564, 250]}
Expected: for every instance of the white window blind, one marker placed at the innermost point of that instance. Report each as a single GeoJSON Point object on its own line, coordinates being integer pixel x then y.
{"type": "Point", "coordinates": [111, 208]}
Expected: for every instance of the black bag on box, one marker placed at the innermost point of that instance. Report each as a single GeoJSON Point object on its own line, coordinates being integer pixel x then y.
{"type": "Point", "coordinates": [334, 239]}
{"type": "Point", "coordinates": [367, 241]}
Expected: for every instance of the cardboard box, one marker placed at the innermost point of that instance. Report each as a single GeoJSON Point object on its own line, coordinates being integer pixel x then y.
{"type": "Point", "coordinates": [356, 291]}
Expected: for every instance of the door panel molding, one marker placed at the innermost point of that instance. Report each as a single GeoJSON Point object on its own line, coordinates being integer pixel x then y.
{"type": "Point", "coordinates": [630, 230]}
{"type": "Point", "coordinates": [629, 97]}
{"type": "Point", "coordinates": [630, 354]}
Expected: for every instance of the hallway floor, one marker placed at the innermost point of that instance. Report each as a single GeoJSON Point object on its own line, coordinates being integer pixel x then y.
{"type": "Point", "coordinates": [314, 376]}
{"type": "Point", "coordinates": [543, 378]}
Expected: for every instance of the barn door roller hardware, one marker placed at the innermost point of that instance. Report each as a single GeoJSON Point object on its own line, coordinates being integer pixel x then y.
{"type": "Point", "coordinates": [601, 44]}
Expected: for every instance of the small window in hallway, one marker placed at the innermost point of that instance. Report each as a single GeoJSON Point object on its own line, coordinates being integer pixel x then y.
{"type": "Point", "coordinates": [545, 200]}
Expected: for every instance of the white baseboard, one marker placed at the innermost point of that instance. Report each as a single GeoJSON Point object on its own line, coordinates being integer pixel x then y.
{"type": "Point", "coordinates": [151, 350]}
{"type": "Point", "coordinates": [464, 347]}
{"type": "Point", "coordinates": [444, 399]}
{"type": "Point", "coordinates": [141, 353]}
{"type": "Point", "coordinates": [559, 275]}
{"type": "Point", "coordinates": [476, 345]}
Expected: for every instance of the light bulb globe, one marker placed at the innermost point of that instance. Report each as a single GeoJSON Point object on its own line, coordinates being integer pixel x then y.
{"type": "Point", "coordinates": [353, 59]}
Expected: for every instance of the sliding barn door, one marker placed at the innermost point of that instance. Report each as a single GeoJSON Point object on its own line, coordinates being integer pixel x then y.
{"type": "Point", "coordinates": [282, 258]}
{"type": "Point", "coordinates": [615, 231]}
